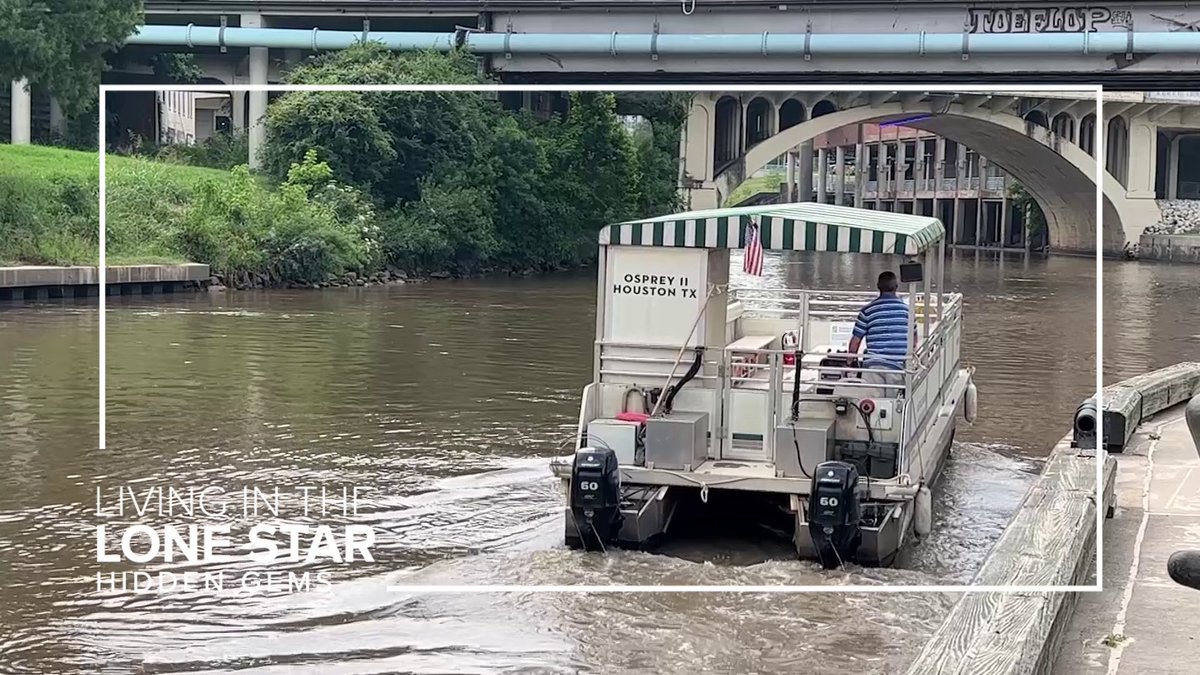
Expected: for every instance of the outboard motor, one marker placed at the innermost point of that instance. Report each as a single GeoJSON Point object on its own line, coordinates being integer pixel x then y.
{"type": "Point", "coordinates": [596, 497]}
{"type": "Point", "coordinates": [833, 513]}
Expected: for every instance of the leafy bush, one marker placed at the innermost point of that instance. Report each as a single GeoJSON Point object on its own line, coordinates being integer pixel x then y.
{"type": "Point", "coordinates": [449, 229]}
{"type": "Point", "coordinates": [221, 151]}
{"type": "Point", "coordinates": [242, 228]}
{"type": "Point", "coordinates": [527, 194]}
{"type": "Point", "coordinates": [340, 127]}
{"type": "Point", "coordinates": [309, 227]}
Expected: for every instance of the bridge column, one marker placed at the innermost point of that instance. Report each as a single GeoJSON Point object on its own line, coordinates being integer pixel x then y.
{"type": "Point", "coordinates": [804, 179]}
{"type": "Point", "coordinates": [258, 99]}
{"type": "Point", "coordinates": [1141, 155]}
{"type": "Point", "coordinates": [21, 113]}
{"type": "Point", "coordinates": [58, 121]}
{"type": "Point", "coordinates": [939, 172]}
{"type": "Point", "coordinates": [981, 216]}
{"type": "Point", "coordinates": [860, 170]}
{"type": "Point", "coordinates": [238, 110]}
{"type": "Point", "coordinates": [957, 228]}
{"type": "Point", "coordinates": [822, 167]}
{"type": "Point", "coordinates": [698, 152]}
{"type": "Point", "coordinates": [1173, 167]}
{"type": "Point", "coordinates": [1025, 238]}
{"type": "Point", "coordinates": [789, 189]}
{"type": "Point", "coordinates": [839, 196]}
{"type": "Point", "coordinates": [1005, 207]}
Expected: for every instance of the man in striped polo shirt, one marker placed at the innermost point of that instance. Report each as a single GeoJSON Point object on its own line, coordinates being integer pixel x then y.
{"type": "Point", "coordinates": [883, 323]}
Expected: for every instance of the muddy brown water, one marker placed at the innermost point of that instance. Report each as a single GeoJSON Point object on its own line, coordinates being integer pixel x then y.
{"type": "Point", "coordinates": [446, 399]}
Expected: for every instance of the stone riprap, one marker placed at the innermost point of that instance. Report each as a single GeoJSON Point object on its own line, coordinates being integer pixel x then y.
{"type": "Point", "coordinates": [1179, 216]}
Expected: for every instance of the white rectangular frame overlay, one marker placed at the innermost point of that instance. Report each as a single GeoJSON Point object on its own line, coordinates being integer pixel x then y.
{"type": "Point", "coordinates": [1101, 454]}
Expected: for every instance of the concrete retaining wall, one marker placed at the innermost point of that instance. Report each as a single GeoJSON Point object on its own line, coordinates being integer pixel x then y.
{"type": "Point", "coordinates": [1051, 541]}
{"type": "Point", "coordinates": [1170, 247]}
{"type": "Point", "coordinates": [27, 276]}
{"type": "Point", "coordinates": [39, 283]}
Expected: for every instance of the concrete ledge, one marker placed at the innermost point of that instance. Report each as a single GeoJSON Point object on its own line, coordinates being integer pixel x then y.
{"type": "Point", "coordinates": [1170, 247]}
{"type": "Point", "coordinates": [1127, 403]}
{"type": "Point", "coordinates": [1051, 541]}
{"type": "Point", "coordinates": [29, 276]}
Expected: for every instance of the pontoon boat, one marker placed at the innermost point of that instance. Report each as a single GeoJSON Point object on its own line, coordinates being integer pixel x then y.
{"type": "Point", "coordinates": [699, 387]}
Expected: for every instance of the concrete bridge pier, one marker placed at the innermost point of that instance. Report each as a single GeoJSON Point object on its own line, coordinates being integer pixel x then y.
{"type": "Point", "coordinates": [860, 173]}
{"type": "Point", "coordinates": [822, 175]}
{"type": "Point", "coordinates": [700, 155]}
{"type": "Point", "coordinates": [22, 113]}
{"type": "Point", "coordinates": [839, 183]}
{"type": "Point", "coordinates": [259, 63]}
{"type": "Point", "coordinates": [805, 158]}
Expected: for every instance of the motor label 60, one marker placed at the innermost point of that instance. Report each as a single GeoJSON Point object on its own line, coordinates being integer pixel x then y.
{"type": "Point", "coordinates": [828, 501]}
{"type": "Point", "coordinates": [589, 485]}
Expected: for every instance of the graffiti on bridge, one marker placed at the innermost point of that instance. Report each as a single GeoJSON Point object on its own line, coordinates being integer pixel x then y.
{"type": "Point", "coordinates": [1046, 19]}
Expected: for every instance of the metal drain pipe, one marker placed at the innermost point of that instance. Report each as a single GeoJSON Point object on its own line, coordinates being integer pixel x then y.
{"type": "Point", "coordinates": [663, 44]}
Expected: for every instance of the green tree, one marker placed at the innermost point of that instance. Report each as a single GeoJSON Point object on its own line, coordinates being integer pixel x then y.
{"type": "Point", "coordinates": [176, 67]}
{"type": "Point", "coordinates": [601, 161]}
{"type": "Point", "coordinates": [1023, 200]}
{"type": "Point", "coordinates": [658, 145]}
{"type": "Point", "coordinates": [61, 44]}
{"type": "Point", "coordinates": [429, 132]}
{"type": "Point", "coordinates": [463, 185]}
{"type": "Point", "coordinates": [340, 126]}
{"type": "Point", "coordinates": [449, 229]}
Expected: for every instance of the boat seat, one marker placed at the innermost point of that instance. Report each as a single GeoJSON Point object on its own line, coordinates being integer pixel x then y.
{"type": "Point", "coordinates": [807, 379]}
{"type": "Point", "coordinates": [750, 342]}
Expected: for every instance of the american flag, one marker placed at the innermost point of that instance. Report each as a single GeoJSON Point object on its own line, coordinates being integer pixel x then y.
{"type": "Point", "coordinates": [752, 261]}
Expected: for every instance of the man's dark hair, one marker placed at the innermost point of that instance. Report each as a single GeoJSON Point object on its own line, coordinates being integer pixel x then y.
{"type": "Point", "coordinates": [887, 282]}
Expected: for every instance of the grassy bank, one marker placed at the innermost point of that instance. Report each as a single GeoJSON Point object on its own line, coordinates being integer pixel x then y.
{"type": "Point", "coordinates": [49, 206]}
{"type": "Point", "coordinates": [251, 230]}
{"type": "Point", "coordinates": [768, 182]}
{"type": "Point", "coordinates": [362, 184]}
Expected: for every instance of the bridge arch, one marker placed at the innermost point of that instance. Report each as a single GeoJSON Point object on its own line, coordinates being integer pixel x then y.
{"type": "Point", "coordinates": [1064, 125]}
{"type": "Point", "coordinates": [1087, 133]}
{"type": "Point", "coordinates": [1057, 173]}
{"type": "Point", "coordinates": [760, 120]}
{"type": "Point", "coordinates": [791, 113]}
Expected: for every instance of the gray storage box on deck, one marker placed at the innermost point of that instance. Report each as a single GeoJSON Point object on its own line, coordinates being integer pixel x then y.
{"type": "Point", "coordinates": [678, 441]}
{"type": "Point", "coordinates": [813, 435]}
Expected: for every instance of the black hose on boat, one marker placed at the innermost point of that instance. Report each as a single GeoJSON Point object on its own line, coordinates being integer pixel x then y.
{"type": "Point", "coordinates": [796, 387]}
{"type": "Point", "coordinates": [687, 377]}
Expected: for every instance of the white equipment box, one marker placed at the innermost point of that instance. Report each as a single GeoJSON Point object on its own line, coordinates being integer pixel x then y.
{"type": "Point", "coordinates": [618, 435]}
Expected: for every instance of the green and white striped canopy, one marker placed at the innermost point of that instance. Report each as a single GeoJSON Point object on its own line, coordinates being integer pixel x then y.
{"type": "Point", "coordinates": [787, 227]}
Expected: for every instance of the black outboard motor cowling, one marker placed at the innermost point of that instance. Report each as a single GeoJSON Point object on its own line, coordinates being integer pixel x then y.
{"type": "Point", "coordinates": [596, 497]}
{"type": "Point", "coordinates": [833, 513]}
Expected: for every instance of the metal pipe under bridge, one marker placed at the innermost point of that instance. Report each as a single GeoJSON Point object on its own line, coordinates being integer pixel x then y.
{"type": "Point", "coordinates": [1122, 44]}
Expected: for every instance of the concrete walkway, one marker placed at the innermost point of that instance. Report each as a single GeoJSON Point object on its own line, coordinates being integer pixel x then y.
{"type": "Point", "coordinates": [1142, 622]}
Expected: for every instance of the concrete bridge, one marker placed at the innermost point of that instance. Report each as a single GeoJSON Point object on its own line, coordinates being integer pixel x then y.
{"type": "Point", "coordinates": [1044, 140]}
{"type": "Point", "coordinates": [572, 41]}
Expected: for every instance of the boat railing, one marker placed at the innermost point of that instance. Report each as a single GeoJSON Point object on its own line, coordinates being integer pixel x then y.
{"type": "Point", "coordinates": [767, 375]}
{"type": "Point", "coordinates": [927, 369]}
{"type": "Point", "coordinates": [835, 305]}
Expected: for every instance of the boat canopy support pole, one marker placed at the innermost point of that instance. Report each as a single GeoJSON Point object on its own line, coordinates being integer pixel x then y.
{"type": "Point", "coordinates": [926, 283]}
{"type": "Point", "coordinates": [601, 285]}
{"type": "Point", "coordinates": [941, 269]}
